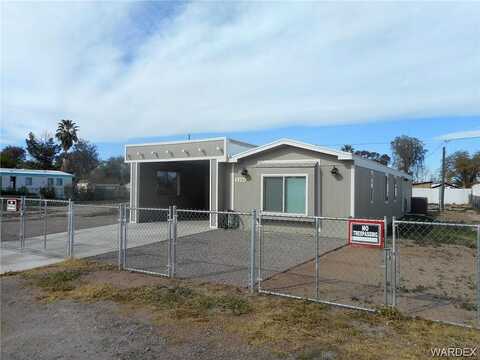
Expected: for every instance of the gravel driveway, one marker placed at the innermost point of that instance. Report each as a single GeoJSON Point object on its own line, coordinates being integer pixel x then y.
{"type": "Point", "coordinates": [223, 256]}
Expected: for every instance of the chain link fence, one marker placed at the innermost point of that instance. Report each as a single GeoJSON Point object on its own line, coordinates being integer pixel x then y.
{"type": "Point", "coordinates": [437, 271]}
{"type": "Point", "coordinates": [311, 258]}
{"type": "Point", "coordinates": [96, 231]}
{"type": "Point", "coordinates": [213, 246]}
{"type": "Point", "coordinates": [147, 240]}
{"type": "Point", "coordinates": [426, 269]}
{"type": "Point", "coordinates": [39, 225]}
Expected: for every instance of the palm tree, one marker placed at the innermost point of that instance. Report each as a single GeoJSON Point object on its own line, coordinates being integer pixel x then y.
{"type": "Point", "coordinates": [67, 136]}
{"type": "Point", "coordinates": [347, 148]}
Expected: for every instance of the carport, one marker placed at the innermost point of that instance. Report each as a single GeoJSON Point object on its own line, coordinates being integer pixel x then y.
{"type": "Point", "coordinates": [189, 174]}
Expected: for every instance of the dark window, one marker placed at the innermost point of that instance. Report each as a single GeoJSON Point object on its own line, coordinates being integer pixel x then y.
{"type": "Point", "coordinates": [168, 183]}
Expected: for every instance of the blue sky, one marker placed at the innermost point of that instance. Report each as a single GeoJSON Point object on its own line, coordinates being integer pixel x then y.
{"type": "Point", "coordinates": [370, 136]}
{"type": "Point", "coordinates": [321, 72]}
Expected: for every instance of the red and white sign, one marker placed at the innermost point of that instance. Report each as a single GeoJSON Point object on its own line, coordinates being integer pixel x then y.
{"type": "Point", "coordinates": [367, 233]}
{"type": "Point", "coordinates": [12, 205]}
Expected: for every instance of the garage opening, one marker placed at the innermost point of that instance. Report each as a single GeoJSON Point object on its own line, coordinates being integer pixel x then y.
{"type": "Point", "coordinates": [185, 184]}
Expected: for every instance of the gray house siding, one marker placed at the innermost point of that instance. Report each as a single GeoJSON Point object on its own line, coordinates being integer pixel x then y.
{"type": "Point", "coordinates": [327, 195]}
{"type": "Point", "coordinates": [380, 206]}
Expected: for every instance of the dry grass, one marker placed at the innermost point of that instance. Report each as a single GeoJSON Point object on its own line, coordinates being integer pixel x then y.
{"type": "Point", "coordinates": [285, 326]}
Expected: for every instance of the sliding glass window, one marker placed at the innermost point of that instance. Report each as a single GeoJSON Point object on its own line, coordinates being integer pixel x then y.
{"type": "Point", "coordinates": [284, 194]}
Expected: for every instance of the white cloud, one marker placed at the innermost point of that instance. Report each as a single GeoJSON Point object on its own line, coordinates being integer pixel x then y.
{"type": "Point", "coordinates": [460, 135]}
{"type": "Point", "coordinates": [226, 67]}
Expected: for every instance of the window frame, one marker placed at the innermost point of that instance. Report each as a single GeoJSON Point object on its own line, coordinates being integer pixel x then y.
{"type": "Point", "coordinates": [56, 182]}
{"type": "Point", "coordinates": [26, 181]}
{"type": "Point", "coordinates": [52, 184]}
{"type": "Point", "coordinates": [283, 176]}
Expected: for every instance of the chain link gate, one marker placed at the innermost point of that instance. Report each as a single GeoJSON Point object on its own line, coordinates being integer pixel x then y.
{"type": "Point", "coordinates": [147, 241]}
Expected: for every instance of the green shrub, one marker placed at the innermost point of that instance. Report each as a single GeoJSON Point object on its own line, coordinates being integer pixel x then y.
{"type": "Point", "coordinates": [47, 193]}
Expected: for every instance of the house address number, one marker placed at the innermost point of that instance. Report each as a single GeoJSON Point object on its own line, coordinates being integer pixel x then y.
{"type": "Point", "coordinates": [240, 179]}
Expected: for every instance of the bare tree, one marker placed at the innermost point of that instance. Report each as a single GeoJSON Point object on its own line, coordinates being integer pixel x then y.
{"type": "Point", "coordinates": [408, 154]}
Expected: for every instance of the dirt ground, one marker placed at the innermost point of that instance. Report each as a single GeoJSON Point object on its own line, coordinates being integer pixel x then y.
{"type": "Point", "coordinates": [435, 282]}
{"type": "Point", "coordinates": [458, 214]}
{"type": "Point", "coordinates": [32, 329]}
{"type": "Point", "coordinates": [86, 310]}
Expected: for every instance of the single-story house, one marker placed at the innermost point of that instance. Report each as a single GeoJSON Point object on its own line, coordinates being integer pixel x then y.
{"type": "Point", "coordinates": [34, 180]}
{"type": "Point", "coordinates": [284, 177]}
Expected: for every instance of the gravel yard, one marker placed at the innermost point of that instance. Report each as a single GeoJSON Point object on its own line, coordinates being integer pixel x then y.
{"type": "Point", "coordinates": [223, 256]}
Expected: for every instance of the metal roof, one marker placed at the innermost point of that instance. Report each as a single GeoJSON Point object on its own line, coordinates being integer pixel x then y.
{"type": "Point", "coordinates": [9, 171]}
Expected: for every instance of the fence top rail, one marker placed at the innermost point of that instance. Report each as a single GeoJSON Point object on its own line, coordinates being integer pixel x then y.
{"type": "Point", "coordinates": [214, 212]}
{"type": "Point", "coordinates": [293, 217]}
{"type": "Point", "coordinates": [116, 207]}
{"type": "Point", "coordinates": [33, 199]}
{"type": "Point", "coordinates": [145, 208]}
{"type": "Point", "coordinates": [436, 223]}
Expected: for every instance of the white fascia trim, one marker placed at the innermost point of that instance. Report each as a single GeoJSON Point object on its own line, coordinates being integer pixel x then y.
{"type": "Point", "coordinates": [223, 138]}
{"type": "Point", "coordinates": [219, 158]}
{"type": "Point", "coordinates": [339, 154]}
{"type": "Point", "coordinates": [373, 165]}
{"type": "Point", "coordinates": [283, 194]}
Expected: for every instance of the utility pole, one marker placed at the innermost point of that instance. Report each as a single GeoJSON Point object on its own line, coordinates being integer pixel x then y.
{"type": "Point", "coordinates": [442, 188]}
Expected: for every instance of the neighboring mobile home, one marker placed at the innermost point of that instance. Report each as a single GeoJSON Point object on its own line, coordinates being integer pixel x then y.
{"type": "Point", "coordinates": [284, 177]}
{"type": "Point", "coordinates": [34, 180]}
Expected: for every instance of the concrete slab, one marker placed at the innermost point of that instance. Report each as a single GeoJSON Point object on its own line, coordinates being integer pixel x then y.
{"type": "Point", "coordinates": [87, 243]}
{"type": "Point", "coordinates": [19, 260]}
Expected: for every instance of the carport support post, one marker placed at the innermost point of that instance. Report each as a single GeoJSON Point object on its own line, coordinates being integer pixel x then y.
{"type": "Point", "coordinates": [317, 258]}
{"type": "Point", "coordinates": [252, 250]}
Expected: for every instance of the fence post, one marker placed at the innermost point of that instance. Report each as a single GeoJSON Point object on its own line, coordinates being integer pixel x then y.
{"type": "Point", "coordinates": [174, 239]}
{"type": "Point", "coordinates": [393, 263]}
{"type": "Point", "coordinates": [22, 222]}
{"type": "Point", "coordinates": [170, 239]}
{"type": "Point", "coordinates": [125, 234]}
{"type": "Point", "coordinates": [260, 251]}
{"type": "Point", "coordinates": [120, 237]}
{"type": "Point", "coordinates": [71, 229]}
{"type": "Point", "coordinates": [317, 259]}
{"type": "Point", "coordinates": [386, 259]}
{"type": "Point", "coordinates": [252, 250]}
{"type": "Point", "coordinates": [45, 225]}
